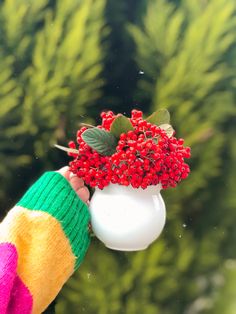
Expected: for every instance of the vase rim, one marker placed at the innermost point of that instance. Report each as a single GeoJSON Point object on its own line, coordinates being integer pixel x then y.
{"type": "Point", "coordinates": [153, 189]}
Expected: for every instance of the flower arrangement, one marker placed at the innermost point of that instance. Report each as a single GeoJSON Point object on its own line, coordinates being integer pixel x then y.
{"type": "Point", "coordinates": [134, 151]}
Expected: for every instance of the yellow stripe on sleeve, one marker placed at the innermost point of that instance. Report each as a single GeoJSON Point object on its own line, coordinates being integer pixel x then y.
{"type": "Point", "coordinates": [45, 257]}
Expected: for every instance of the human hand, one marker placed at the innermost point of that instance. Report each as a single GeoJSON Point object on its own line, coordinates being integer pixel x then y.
{"type": "Point", "coordinates": [76, 183]}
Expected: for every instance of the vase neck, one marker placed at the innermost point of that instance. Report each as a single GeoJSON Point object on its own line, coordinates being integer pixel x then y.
{"type": "Point", "coordinates": [121, 189]}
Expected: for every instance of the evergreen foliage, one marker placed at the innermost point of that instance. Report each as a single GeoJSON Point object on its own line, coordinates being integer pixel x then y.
{"type": "Point", "coordinates": [63, 61]}
{"type": "Point", "coordinates": [51, 64]}
{"type": "Point", "coordinates": [183, 53]}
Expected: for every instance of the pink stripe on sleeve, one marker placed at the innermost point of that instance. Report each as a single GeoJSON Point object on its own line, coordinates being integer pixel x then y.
{"type": "Point", "coordinates": [14, 295]}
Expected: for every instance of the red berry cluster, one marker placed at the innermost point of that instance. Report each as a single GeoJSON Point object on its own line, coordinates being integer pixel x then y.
{"type": "Point", "coordinates": [144, 156]}
{"type": "Point", "coordinates": [107, 119]}
{"type": "Point", "coordinates": [92, 167]}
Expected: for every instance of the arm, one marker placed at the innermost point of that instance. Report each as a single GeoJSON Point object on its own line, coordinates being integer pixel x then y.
{"type": "Point", "coordinates": [43, 239]}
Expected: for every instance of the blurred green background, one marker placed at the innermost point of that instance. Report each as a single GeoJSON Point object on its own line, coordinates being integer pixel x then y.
{"type": "Point", "coordinates": [63, 62]}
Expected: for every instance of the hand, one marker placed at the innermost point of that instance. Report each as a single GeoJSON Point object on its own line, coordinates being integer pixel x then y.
{"type": "Point", "coordinates": [76, 183]}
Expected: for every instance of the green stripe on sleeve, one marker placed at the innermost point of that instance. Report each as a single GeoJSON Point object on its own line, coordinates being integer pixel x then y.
{"type": "Point", "coordinates": [53, 194]}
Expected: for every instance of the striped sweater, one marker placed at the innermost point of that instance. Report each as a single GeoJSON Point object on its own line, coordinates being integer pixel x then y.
{"type": "Point", "coordinates": [43, 240]}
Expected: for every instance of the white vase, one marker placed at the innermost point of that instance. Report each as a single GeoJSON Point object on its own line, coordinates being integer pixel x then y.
{"type": "Point", "coordinates": [127, 219]}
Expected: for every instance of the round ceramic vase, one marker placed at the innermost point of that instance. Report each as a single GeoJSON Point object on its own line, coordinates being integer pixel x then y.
{"type": "Point", "coordinates": [127, 219]}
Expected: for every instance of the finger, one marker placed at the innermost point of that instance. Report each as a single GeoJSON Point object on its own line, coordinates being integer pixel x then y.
{"type": "Point", "coordinates": [76, 182]}
{"type": "Point", "coordinates": [72, 175]}
{"type": "Point", "coordinates": [83, 194]}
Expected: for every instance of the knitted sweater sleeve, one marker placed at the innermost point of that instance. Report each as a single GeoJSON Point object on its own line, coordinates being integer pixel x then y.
{"type": "Point", "coordinates": [43, 239]}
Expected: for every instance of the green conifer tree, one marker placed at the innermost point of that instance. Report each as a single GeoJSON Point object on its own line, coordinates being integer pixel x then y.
{"type": "Point", "coordinates": [51, 64]}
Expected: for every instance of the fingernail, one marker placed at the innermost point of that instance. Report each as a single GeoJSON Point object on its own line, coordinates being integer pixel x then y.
{"type": "Point", "coordinates": [72, 175]}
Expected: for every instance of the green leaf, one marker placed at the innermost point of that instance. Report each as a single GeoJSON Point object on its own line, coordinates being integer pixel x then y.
{"type": "Point", "coordinates": [121, 125]}
{"type": "Point", "coordinates": [167, 128]}
{"type": "Point", "coordinates": [100, 140]}
{"type": "Point", "coordinates": [159, 117]}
